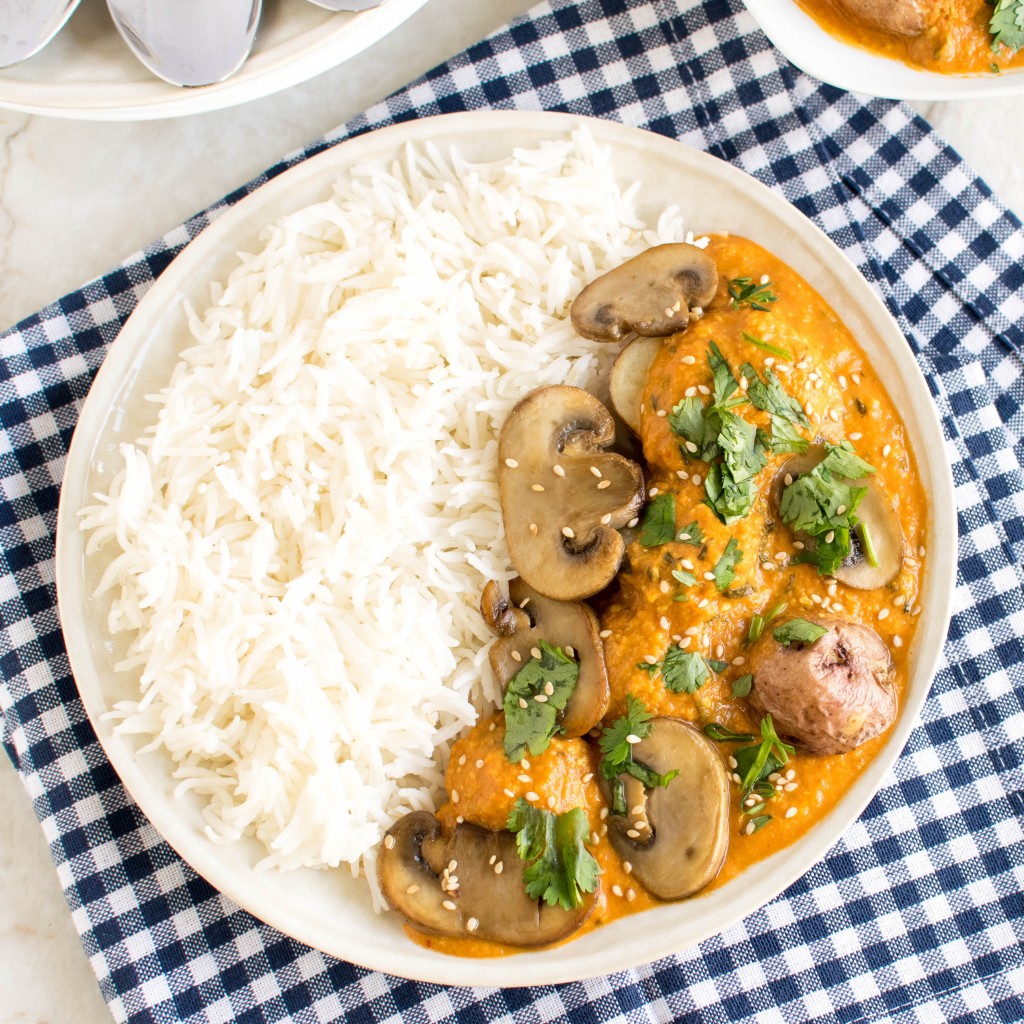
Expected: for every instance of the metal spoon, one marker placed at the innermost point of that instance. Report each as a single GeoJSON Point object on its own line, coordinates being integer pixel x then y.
{"type": "Point", "coordinates": [347, 5]}
{"type": "Point", "coordinates": [26, 26]}
{"type": "Point", "coordinates": [188, 42]}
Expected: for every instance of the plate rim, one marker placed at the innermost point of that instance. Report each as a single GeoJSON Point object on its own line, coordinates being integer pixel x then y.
{"type": "Point", "coordinates": [542, 968]}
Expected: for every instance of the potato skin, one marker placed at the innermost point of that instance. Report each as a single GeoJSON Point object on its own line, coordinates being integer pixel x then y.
{"type": "Point", "coordinates": [897, 17]}
{"type": "Point", "coordinates": [829, 696]}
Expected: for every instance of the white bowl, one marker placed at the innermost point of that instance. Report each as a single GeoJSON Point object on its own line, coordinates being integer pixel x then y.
{"type": "Point", "coordinates": [331, 910]}
{"type": "Point", "coordinates": [88, 73]}
{"type": "Point", "coordinates": [804, 42]}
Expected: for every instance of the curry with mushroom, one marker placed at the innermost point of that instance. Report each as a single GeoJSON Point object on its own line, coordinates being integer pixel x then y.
{"type": "Point", "coordinates": [701, 653]}
{"type": "Point", "coordinates": [945, 36]}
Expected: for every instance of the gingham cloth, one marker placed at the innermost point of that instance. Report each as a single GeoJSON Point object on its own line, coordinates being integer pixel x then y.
{"type": "Point", "coordinates": [916, 914]}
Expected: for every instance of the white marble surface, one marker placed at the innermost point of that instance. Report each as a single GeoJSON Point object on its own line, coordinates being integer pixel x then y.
{"type": "Point", "coordinates": [77, 197]}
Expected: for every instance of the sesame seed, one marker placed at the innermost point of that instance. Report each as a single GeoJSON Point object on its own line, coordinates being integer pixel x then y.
{"type": "Point", "coordinates": [787, 479]}
{"type": "Point", "coordinates": [533, 529]}
{"type": "Point", "coordinates": [632, 833]}
{"type": "Point", "coordinates": [683, 475]}
{"type": "Point", "coordinates": [524, 778]}
{"type": "Point", "coordinates": [830, 536]}
{"type": "Point", "coordinates": [791, 774]}
{"type": "Point", "coordinates": [617, 890]}
{"type": "Point", "coordinates": [653, 492]}
{"type": "Point", "coordinates": [689, 360]}
{"type": "Point", "coordinates": [692, 630]}
{"type": "Point", "coordinates": [557, 470]}
{"type": "Point", "coordinates": [499, 867]}
{"type": "Point", "coordinates": [668, 311]}
{"type": "Point", "coordinates": [748, 828]}
{"type": "Point", "coordinates": [627, 867]}
{"type": "Point", "coordinates": [855, 377]}
{"type": "Point", "coordinates": [709, 575]}
{"type": "Point", "coordinates": [567, 531]}
{"type": "Point", "coordinates": [739, 660]}
{"type": "Point", "coordinates": [765, 279]}
{"type": "Point", "coordinates": [883, 613]}
{"type": "Point", "coordinates": [836, 607]}
{"type": "Point", "coordinates": [665, 624]}
{"type": "Point", "coordinates": [831, 590]}
{"type": "Point", "coordinates": [587, 777]}
{"type": "Point", "coordinates": [508, 792]}
{"type": "Point", "coordinates": [696, 479]}
{"type": "Point", "coordinates": [595, 471]}
{"type": "Point", "coordinates": [774, 776]}
{"type": "Point", "coordinates": [472, 924]}
{"type": "Point", "coordinates": [524, 764]}
{"type": "Point", "coordinates": [594, 839]}
{"type": "Point", "coordinates": [604, 813]}
{"type": "Point", "coordinates": [516, 656]}
{"type": "Point", "coordinates": [606, 519]}
{"type": "Point", "coordinates": [535, 653]}
{"type": "Point", "coordinates": [492, 727]}
{"type": "Point", "coordinates": [897, 641]}
{"type": "Point", "coordinates": [702, 603]}
{"type": "Point", "coordinates": [663, 586]}
{"type": "Point", "coordinates": [532, 797]}
{"type": "Point", "coordinates": [917, 610]}
{"type": "Point", "coordinates": [911, 562]}
{"type": "Point", "coordinates": [751, 801]}
{"type": "Point", "coordinates": [602, 484]}
{"type": "Point", "coordinates": [480, 762]}
{"type": "Point", "coordinates": [791, 813]}
{"type": "Point", "coordinates": [770, 361]}
{"type": "Point", "coordinates": [789, 787]}
{"type": "Point", "coordinates": [605, 633]}
{"type": "Point", "coordinates": [640, 825]}
{"type": "Point", "coordinates": [886, 450]}
{"type": "Point", "coordinates": [537, 487]}
{"type": "Point", "coordinates": [453, 865]}
{"type": "Point", "coordinates": [833, 415]}
{"type": "Point", "coordinates": [412, 889]}
{"type": "Point", "coordinates": [704, 389]}
{"type": "Point", "coordinates": [736, 778]}
{"type": "Point", "coordinates": [781, 556]}
{"type": "Point", "coordinates": [455, 796]}
{"type": "Point", "coordinates": [685, 642]}
{"type": "Point", "coordinates": [389, 842]}
{"type": "Point", "coordinates": [522, 703]}
{"type": "Point", "coordinates": [632, 738]}
{"type": "Point", "coordinates": [798, 545]}
{"type": "Point", "coordinates": [541, 698]}
{"type": "Point", "coordinates": [733, 763]}
{"type": "Point", "coordinates": [856, 436]}
{"type": "Point", "coordinates": [899, 600]}
{"type": "Point", "coordinates": [633, 521]}
{"type": "Point", "coordinates": [841, 510]}
{"type": "Point", "coordinates": [691, 447]}
{"type": "Point", "coordinates": [663, 413]}
{"type": "Point", "coordinates": [767, 565]}
{"type": "Point", "coordinates": [549, 687]}
{"type": "Point", "coordinates": [690, 392]}
{"type": "Point", "coordinates": [551, 802]}
{"type": "Point", "coordinates": [448, 905]}
{"type": "Point", "coordinates": [511, 463]}
{"type": "Point", "coordinates": [921, 551]}
{"type": "Point", "coordinates": [685, 562]}
{"type": "Point", "coordinates": [842, 382]}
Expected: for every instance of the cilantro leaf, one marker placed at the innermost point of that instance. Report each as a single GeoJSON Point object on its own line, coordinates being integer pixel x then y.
{"type": "Point", "coordinates": [725, 384]}
{"type": "Point", "coordinates": [842, 460]}
{"type": "Point", "coordinates": [785, 437]}
{"type": "Point", "coordinates": [691, 534]}
{"type": "Point", "coordinates": [682, 671]}
{"type": "Point", "coordinates": [682, 576]}
{"type": "Point", "coordinates": [741, 685]}
{"type": "Point", "coordinates": [532, 726]}
{"type": "Point", "coordinates": [687, 420]}
{"type": "Point", "coordinates": [770, 396]}
{"type": "Point", "coordinates": [1007, 25]}
{"type": "Point", "coordinates": [725, 568]}
{"type": "Point", "coordinates": [782, 353]}
{"type": "Point", "coordinates": [755, 763]}
{"type": "Point", "coordinates": [659, 522]}
{"type": "Point", "coordinates": [616, 743]}
{"type": "Point", "coordinates": [560, 869]}
{"type": "Point", "coordinates": [798, 631]}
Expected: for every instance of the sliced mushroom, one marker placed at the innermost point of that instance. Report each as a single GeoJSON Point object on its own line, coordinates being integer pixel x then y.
{"type": "Point", "coordinates": [527, 618]}
{"type": "Point", "coordinates": [830, 695]}
{"type": "Point", "coordinates": [563, 497]}
{"type": "Point", "coordinates": [651, 294]}
{"type": "Point", "coordinates": [676, 837]}
{"type": "Point", "coordinates": [875, 511]}
{"type": "Point", "coordinates": [628, 378]}
{"type": "Point", "coordinates": [467, 885]}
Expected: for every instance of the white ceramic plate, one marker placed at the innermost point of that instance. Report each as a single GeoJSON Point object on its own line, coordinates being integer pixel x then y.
{"type": "Point", "coordinates": [804, 42]}
{"type": "Point", "coordinates": [331, 910]}
{"type": "Point", "coordinates": [88, 73]}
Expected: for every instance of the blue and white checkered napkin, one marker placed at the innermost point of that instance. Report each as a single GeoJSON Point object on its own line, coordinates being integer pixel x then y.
{"type": "Point", "coordinates": [917, 913]}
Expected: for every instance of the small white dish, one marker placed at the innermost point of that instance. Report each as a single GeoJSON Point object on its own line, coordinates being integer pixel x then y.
{"type": "Point", "coordinates": [807, 45]}
{"type": "Point", "coordinates": [87, 73]}
{"type": "Point", "coordinates": [330, 910]}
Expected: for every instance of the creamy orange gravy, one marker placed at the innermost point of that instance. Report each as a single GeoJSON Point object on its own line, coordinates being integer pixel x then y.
{"type": "Point", "coordinates": [829, 375]}
{"type": "Point", "coordinates": [956, 41]}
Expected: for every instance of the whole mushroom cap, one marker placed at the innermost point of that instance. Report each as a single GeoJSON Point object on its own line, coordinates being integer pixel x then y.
{"type": "Point", "coordinates": [831, 695]}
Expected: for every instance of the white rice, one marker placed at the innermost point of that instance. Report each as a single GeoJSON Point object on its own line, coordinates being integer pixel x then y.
{"type": "Point", "coordinates": [297, 547]}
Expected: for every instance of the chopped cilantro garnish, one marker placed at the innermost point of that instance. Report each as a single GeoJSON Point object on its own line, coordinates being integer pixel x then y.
{"type": "Point", "coordinates": [616, 743]}
{"type": "Point", "coordinates": [722, 734]}
{"type": "Point", "coordinates": [716, 665]}
{"type": "Point", "coordinates": [798, 631]}
{"type": "Point", "coordinates": [688, 421]}
{"type": "Point", "coordinates": [532, 726]}
{"type": "Point", "coordinates": [755, 763]}
{"type": "Point", "coordinates": [782, 353]}
{"type": "Point", "coordinates": [691, 534]}
{"type": "Point", "coordinates": [560, 869]}
{"type": "Point", "coordinates": [682, 671]}
{"type": "Point", "coordinates": [725, 383]}
{"type": "Point", "coordinates": [658, 525]}
{"type": "Point", "coordinates": [786, 439]}
{"type": "Point", "coordinates": [745, 291]}
{"type": "Point", "coordinates": [741, 685]}
{"type": "Point", "coordinates": [758, 622]}
{"type": "Point", "coordinates": [822, 504]}
{"type": "Point", "coordinates": [758, 822]}
{"type": "Point", "coordinates": [725, 568]}
{"type": "Point", "coordinates": [1007, 25]}
{"type": "Point", "coordinates": [769, 396]}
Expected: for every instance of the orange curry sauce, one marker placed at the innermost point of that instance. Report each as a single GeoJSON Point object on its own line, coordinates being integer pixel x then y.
{"type": "Point", "coordinates": [957, 40]}
{"type": "Point", "coordinates": [830, 377]}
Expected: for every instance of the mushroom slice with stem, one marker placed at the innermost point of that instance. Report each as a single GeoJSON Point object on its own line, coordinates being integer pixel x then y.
{"type": "Point", "coordinates": [675, 837]}
{"type": "Point", "coordinates": [563, 496]}
{"type": "Point", "coordinates": [628, 378]}
{"type": "Point", "coordinates": [650, 295]}
{"type": "Point", "coordinates": [527, 618]}
{"type": "Point", "coordinates": [830, 694]}
{"type": "Point", "coordinates": [860, 569]}
{"type": "Point", "coordinates": [468, 885]}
